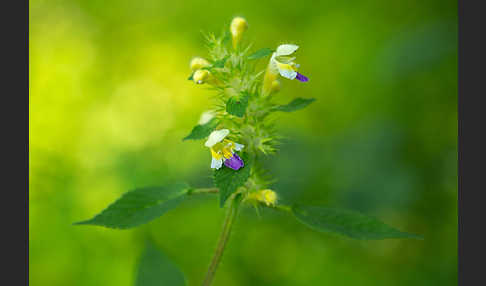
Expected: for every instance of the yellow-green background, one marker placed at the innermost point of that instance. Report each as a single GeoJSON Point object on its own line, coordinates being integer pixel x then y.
{"type": "Point", "coordinates": [110, 102]}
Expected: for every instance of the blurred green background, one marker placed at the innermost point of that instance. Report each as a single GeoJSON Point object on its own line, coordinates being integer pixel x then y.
{"type": "Point", "coordinates": [110, 102]}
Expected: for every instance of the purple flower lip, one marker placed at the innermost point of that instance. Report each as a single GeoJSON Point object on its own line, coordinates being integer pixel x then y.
{"type": "Point", "coordinates": [301, 77]}
{"type": "Point", "coordinates": [234, 162]}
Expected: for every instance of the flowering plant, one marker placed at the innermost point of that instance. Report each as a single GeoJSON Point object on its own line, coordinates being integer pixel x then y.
{"type": "Point", "coordinates": [239, 133]}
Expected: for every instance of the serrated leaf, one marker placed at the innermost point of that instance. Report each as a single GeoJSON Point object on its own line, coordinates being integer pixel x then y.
{"type": "Point", "coordinates": [155, 269]}
{"type": "Point", "coordinates": [348, 223]}
{"type": "Point", "coordinates": [220, 63]}
{"type": "Point", "coordinates": [228, 180]}
{"type": "Point", "coordinates": [140, 206]}
{"type": "Point", "coordinates": [260, 53]}
{"type": "Point", "coordinates": [237, 105]}
{"type": "Point", "coordinates": [202, 131]}
{"type": "Point", "coordinates": [296, 104]}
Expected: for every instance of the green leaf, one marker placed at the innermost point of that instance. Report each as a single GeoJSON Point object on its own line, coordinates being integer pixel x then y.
{"type": "Point", "coordinates": [155, 269]}
{"type": "Point", "coordinates": [348, 223]}
{"type": "Point", "coordinates": [296, 104]}
{"type": "Point", "coordinates": [220, 63]}
{"type": "Point", "coordinates": [228, 180]}
{"type": "Point", "coordinates": [202, 131]}
{"type": "Point", "coordinates": [260, 53]}
{"type": "Point", "coordinates": [140, 206]}
{"type": "Point", "coordinates": [237, 105]}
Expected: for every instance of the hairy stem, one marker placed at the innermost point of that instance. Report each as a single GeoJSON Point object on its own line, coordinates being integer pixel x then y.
{"type": "Point", "coordinates": [223, 240]}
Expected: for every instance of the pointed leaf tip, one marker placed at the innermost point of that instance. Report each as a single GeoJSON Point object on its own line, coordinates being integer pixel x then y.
{"type": "Point", "coordinates": [260, 53]}
{"type": "Point", "coordinates": [139, 206]}
{"type": "Point", "coordinates": [296, 104]}
{"type": "Point", "coordinates": [348, 223]}
{"type": "Point", "coordinates": [202, 131]}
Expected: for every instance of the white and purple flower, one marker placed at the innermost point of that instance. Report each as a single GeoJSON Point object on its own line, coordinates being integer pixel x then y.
{"type": "Point", "coordinates": [223, 150]}
{"type": "Point", "coordinates": [282, 62]}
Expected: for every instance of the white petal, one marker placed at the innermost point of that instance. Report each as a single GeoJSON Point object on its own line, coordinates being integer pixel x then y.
{"type": "Point", "coordinates": [285, 60]}
{"type": "Point", "coordinates": [216, 136]}
{"type": "Point", "coordinates": [238, 147]}
{"type": "Point", "coordinates": [206, 116]}
{"type": "Point", "coordinates": [273, 64]}
{"type": "Point", "coordinates": [216, 164]}
{"type": "Point", "coordinates": [285, 50]}
{"type": "Point", "coordinates": [290, 74]}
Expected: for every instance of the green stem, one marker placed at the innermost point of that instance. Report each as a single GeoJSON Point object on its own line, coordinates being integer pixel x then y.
{"type": "Point", "coordinates": [223, 240]}
{"type": "Point", "coordinates": [283, 208]}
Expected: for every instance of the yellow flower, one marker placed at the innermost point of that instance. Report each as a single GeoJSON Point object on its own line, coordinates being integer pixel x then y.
{"type": "Point", "coordinates": [266, 196]}
{"type": "Point", "coordinates": [198, 63]}
{"type": "Point", "coordinates": [200, 76]}
{"type": "Point", "coordinates": [237, 28]}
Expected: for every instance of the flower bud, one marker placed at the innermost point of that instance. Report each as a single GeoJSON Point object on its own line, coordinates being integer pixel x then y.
{"type": "Point", "coordinates": [238, 26]}
{"type": "Point", "coordinates": [200, 76]}
{"type": "Point", "coordinates": [198, 63]}
{"type": "Point", "coordinates": [206, 116]}
{"type": "Point", "coordinates": [270, 81]}
{"type": "Point", "coordinates": [266, 196]}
